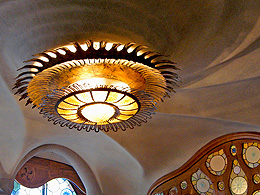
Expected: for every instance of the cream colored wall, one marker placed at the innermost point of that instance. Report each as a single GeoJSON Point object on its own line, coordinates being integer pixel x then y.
{"type": "Point", "coordinates": [215, 43]}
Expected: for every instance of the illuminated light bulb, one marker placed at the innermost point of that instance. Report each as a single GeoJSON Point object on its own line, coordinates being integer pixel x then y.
{"type": "Point", "coordinates": [96, 85]}
{"type": "Point", "coordinates": [98, 112]}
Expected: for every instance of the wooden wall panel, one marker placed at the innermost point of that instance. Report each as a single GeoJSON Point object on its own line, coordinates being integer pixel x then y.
{"type": "Point", "coordinates": [174, 179]}
{"type": "Point", "coordinates": [37, 171]}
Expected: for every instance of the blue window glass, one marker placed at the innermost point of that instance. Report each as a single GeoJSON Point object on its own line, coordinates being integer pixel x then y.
{"type": "Point", "coordinates": [57, 186]}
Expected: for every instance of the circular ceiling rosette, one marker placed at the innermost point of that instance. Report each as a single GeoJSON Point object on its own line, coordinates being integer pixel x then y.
{"type": "Point", "coordinates": [71, 83]}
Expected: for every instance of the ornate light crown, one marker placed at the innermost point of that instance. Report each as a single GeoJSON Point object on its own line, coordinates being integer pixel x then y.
{"type": "Point", "coordinates": [97, 85]}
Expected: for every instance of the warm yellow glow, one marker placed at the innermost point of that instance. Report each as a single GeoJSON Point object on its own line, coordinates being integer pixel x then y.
{"type": "Point", "coordinates": [95, 85]}
{"type": "Point", "coordinates": [84, 47]}
{"type": "Point", "coordinates": [96, 82]}
{"type": "Point", "coordinates": [109, 46]}
{"type": "Point", "coordinates": [125, 101]}
{"type": "Point", "coordinates": [85, 97]}
{"type": "Point", "coordinates": [53, 55]}
{"type": "Point", "coordinates": [70, 117]}
{"type": "Point", "coordinates": [73, 100]}
{"type": "Point", "coordinates": [66, 111]}
{"type": "Point", "coordinates": [114, 97]}
{"type": "Point", "coordinates": [44, 59]}
{"type": "Point", "coordinates": [61, 51]}
{"type": "Point", "coordinates": [139, 53]}
{"type": "Point", "coordinates": [128, 112]}
{"type": "Point", "coordinates": [64, 105]}
{"type": "Point", "coordinates": [96, 45]}
{"type": "Point", "coordinates": [120, 47]}
{"type": "Point", "coordinates": [129, 50]}
{"type": "Point", "coordinates": [133, 106]}
{"type": "Point", "coordinates": [72, 48]}
{"type": "Point", "coordinates": [34, 70]}
{"type": "Point", "coordinates": [98, 112]}
{"type": "Point", "coordinates": [123, 117]}
{"type": "Point", "coordinates": [38, 64]}
{"type": "Point", "coordinates": [98, 107]}
{"type": "Point", "coordinates": [99, 96]}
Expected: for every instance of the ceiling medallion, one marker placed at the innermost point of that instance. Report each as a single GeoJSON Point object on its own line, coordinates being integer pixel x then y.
{"type": "Point", "coordinates": [97, 85]}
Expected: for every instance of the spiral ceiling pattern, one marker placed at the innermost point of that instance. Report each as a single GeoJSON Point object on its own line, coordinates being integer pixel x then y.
{"type": "Point", "coordinates": [214, 43]}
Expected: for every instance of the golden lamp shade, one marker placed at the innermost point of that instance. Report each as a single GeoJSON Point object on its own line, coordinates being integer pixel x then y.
{"type": "Point", "coordinates": [97, 85]}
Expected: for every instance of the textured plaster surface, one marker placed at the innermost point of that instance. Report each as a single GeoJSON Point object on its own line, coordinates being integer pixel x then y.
{"type": "Point", "coordinates": [215, 43]}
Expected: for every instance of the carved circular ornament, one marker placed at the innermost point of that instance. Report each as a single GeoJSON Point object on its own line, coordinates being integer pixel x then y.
{"type": "Point", "coordinates": [26, 174]}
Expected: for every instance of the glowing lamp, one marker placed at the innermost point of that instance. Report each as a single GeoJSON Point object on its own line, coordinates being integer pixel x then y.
{"type": "Point", "coordinates": [96, 85]}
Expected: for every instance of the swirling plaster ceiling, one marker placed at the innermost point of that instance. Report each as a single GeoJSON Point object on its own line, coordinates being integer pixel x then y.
{"type": "Point", "coordinates": [215, 43]}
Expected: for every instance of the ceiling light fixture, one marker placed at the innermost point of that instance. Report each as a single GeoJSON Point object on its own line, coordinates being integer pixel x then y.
{"type": "Point", "coordinates": [97, 85]}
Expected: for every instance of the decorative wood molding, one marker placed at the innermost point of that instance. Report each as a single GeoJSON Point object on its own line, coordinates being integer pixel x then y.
{"type": "Point", "coordinates": [218, 175]}
{"type": "Point", "coordinates": [37, 171]}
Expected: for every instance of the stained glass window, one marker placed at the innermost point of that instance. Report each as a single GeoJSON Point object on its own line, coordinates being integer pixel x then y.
{"type": "Point", "coordinates": [217, 162]}
{"type": "Point", "coordinates": [251, 154]}
{"type": "Point", "coordinates": [57, 186]}
{"type": "Point", "coordinates": [202, 184]}
{"type": "Point", "coordinates": [238, 180]}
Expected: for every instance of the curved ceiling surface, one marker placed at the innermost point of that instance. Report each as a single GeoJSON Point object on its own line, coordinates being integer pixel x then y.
{"type": "Point", "coordinates": [215, 44]}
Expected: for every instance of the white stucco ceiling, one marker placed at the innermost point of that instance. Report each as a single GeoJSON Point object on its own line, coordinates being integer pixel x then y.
{"type": "Point", "coordinates": [215, 44]}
